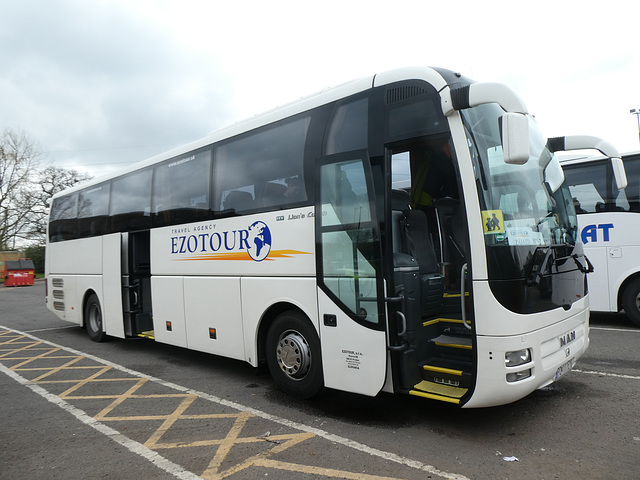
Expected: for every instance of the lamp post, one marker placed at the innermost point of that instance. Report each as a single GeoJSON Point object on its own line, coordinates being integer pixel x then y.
{"type": "Point", "coordinates": [636, 112]}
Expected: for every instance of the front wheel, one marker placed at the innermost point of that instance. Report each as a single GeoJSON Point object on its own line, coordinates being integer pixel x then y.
{"type": "Point", "coordinates": [631, 301]}
{"type": "Point", "coordinates": [293, 355]}
{"type": "Point", "coordinates": [93, 319]}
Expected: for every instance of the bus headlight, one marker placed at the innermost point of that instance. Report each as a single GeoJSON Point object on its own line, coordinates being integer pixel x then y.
{"type": "Point", "coordinates": [513, 359]}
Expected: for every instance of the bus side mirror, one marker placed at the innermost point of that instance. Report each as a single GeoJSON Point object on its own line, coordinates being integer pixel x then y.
{"type": "Point", "coordinates": [515, 138]}
{"type": "Point", "coordinates": [619, 173]}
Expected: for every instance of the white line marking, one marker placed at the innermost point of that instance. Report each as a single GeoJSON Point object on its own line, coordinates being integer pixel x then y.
{"type": "Point", "coordinates": [627, 330]}
{"type": "Point", "coordinates": [212, 398]}
{"type": "Point", "coordinates": [131, 445]}
{"type": "Point", "coordinates": [604, 374]}
{"type": "Point", "coordinates": [52, 328]}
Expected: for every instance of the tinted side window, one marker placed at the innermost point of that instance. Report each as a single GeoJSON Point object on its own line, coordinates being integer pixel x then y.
{"type": "Point", "coordinates": [93, 211]}
{"type": "Point", "coordinates": [130, 207]}
{"type": "Point", "coordinates": [181, 189]}
{"type": "Point", "coordinates": [632, 167]}
{"type": "Point", "coordinates": [414, 118]}
{"type": "Point", "coordinates": [413, 109]}
{"type": "Point", "coordinates": [262, 170]}
{"type": "Point", "coordinates": [349, 127]}
{"type": "Point", "coordinates": [62, 220]}
{"type": "Point", "coordinates": [588, 185]}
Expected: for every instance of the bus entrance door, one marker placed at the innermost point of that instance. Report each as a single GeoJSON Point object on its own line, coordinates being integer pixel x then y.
{"type": "Point", "coordinates": [136, 284]}
{"type": "Point", "coordinates": [432, 348]}
{"type": "Point", "coordinates": [350, 300]}
{"type": "Point", "coordinates": [111, 291]}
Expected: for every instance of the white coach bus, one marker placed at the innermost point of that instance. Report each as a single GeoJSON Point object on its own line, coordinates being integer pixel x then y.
{"type": "Point", "coordinates": [609, 223]}
{"type": "Point", "coordinates": [290, 240]}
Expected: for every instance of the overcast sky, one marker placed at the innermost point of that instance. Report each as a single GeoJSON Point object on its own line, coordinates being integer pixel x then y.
{"type": "Point", "coordinates": [101, 84]}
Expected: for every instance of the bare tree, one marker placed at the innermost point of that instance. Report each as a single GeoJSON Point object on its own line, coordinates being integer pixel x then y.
{"type": "Point", "coordinates": [25, 189]}
{"type": "Point", "coordinates": [44, 184]}
{"type": "Point", "coordinates": [19, 157]}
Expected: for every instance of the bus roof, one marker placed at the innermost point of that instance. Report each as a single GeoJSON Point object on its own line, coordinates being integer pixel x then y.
{"type": "Point", "coordinates": [572, 158]}
{"type": "Point", "coordinates": [281, 112]}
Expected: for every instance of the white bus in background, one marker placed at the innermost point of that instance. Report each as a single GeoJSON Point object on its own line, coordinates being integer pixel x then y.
{"type": "Point", "coordinates": [609, 222]}
{"type": "Point", "coordinates": [282, 241]}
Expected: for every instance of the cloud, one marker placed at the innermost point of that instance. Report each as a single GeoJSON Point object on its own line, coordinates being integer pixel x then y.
{"type": "Point", "coordinates": [98, 85]}
{"type": "Point", "coordinates": [110, 82]}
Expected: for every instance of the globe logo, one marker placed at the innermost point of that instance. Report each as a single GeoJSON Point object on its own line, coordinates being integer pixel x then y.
{"type": "Point", "coordinates": [259, 241]}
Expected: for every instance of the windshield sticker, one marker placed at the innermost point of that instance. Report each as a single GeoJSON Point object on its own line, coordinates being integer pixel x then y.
{"type": "Point", "coordinates": [524, 236]}
{"type": "Point", "coordinates": [492, 221]}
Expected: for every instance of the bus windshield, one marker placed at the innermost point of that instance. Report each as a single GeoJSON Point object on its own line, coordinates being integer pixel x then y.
{"type": "Point", "coordinates": [529, 220]}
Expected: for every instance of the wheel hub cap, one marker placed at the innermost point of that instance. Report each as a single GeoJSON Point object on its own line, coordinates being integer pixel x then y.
{"type": "Point", "coordinates": [293, 355]}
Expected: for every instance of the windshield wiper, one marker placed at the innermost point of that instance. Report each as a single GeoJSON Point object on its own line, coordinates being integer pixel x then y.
{"type": "Point", "coordinates": [588, 268]}
{"type": "Point", "coordinates": [539, 270]}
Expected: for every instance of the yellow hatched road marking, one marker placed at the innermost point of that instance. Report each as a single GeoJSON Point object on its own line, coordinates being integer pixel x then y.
{"type": "Point", "coordinates": [25, 355]}
{"type": "Point", "coordinates": [325, 472]}
{"type": "Point", "coordinates": [225, 446]}
{"type": "Point", "coordinates": [120, 399]}
{"type": "Point", "coordinates": [169, 421]}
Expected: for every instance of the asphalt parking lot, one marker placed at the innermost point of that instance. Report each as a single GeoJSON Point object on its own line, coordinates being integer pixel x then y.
{"type": "Point", "coordinates": [77, 409]}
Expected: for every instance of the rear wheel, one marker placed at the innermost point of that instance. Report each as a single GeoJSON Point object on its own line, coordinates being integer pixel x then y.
{"type": "Point", "coordinates": [631, 301]}
{"type": "Point", "coordinates": [93, 319]}
{"type": "Point", "coordinates": [293, 355]}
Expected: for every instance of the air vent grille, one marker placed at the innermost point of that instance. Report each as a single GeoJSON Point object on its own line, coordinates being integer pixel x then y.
{"type": "Point", "coordinates": [399, 94]}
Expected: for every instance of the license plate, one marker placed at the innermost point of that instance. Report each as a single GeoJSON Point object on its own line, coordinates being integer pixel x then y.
{"type": "Point", "coordinates": [564, 368]}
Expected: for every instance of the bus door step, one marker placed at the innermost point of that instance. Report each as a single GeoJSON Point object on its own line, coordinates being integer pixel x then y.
{"type": "Point", "coordinates": [448, 326]}
{"type": "Point", "coordinates": [148, 334]}
{"type": "Point", "coordinates": [450, 341]}
{"type": "Point", "coordinates": [448, 376]}
{"type": "Point", "coordinates": [454, 351]}
{"type": "Point", "coordinates": [137, 322]}
{"type": "Point", "coordinates": [436, 391]}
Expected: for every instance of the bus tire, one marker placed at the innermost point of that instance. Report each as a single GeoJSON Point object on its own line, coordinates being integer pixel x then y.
{"type": "Point", "coordinates": [631, 301]}
{"type": "Point", "coordinates": [293, 355]}
{"type": "Point", "coordinates": [93, 319]}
